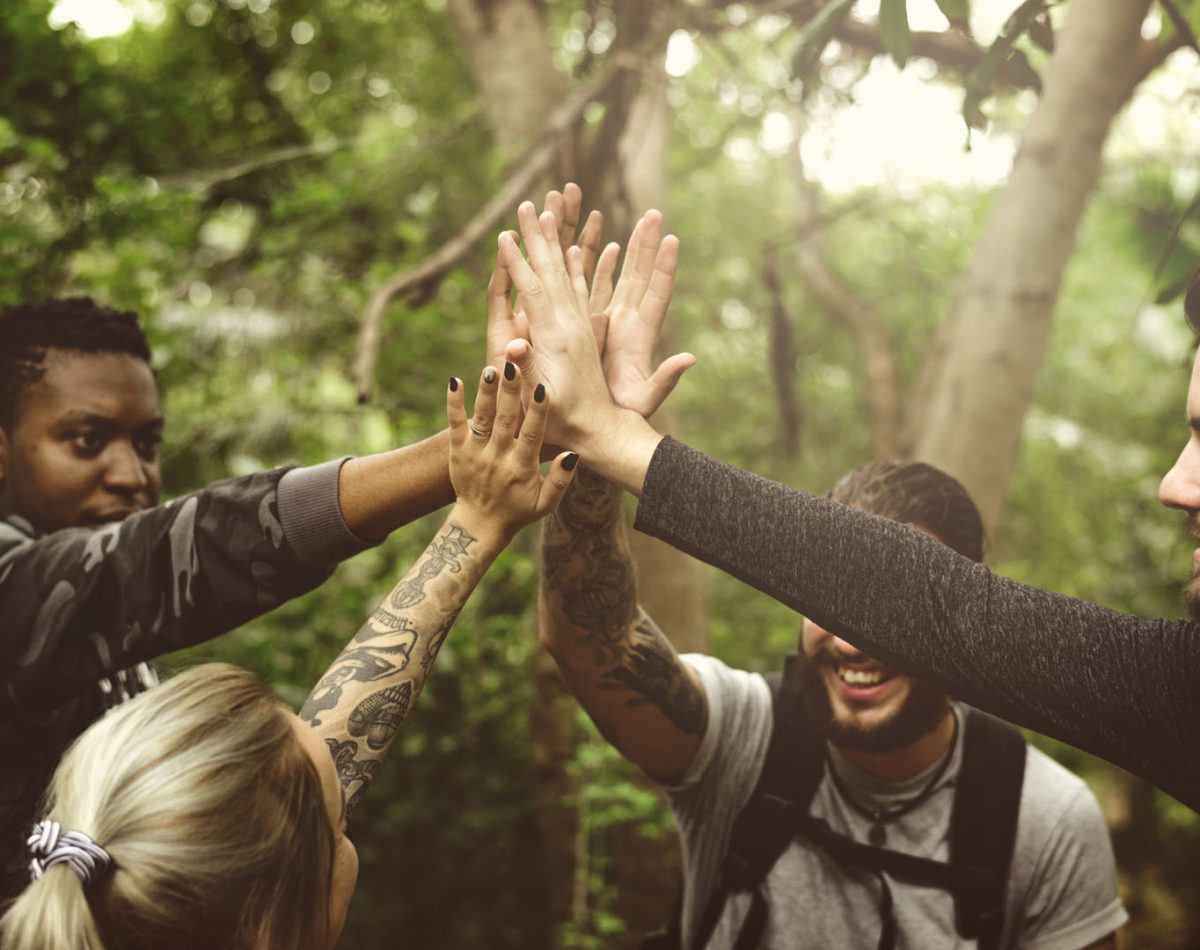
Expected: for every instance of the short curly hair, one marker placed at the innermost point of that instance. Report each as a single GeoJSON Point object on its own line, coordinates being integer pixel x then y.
{"type": "Point", "coordinates": [78, 324]}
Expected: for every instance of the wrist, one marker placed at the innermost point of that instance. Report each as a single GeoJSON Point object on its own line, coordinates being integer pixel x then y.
{"type": "Point", "coordinates": [618, 446]}
{"type": "Point", "coordinates": [491, 534]}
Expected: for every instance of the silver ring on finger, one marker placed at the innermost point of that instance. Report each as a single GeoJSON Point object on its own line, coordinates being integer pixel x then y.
{"type": "Point", "coordinates": [482, 433]}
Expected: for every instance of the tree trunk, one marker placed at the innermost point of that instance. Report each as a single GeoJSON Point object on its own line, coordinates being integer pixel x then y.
{"type": "Point", "coordinates": [970, 414]}
{"type": "Point", "coordinates": [507, 52]}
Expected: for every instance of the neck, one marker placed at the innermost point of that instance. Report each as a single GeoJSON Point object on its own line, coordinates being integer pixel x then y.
{"type": "Point", "coordinates": [899, 765]}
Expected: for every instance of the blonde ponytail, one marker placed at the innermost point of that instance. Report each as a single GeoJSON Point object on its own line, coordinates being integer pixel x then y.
{"type": "Point", "coordinates": [213, 815]}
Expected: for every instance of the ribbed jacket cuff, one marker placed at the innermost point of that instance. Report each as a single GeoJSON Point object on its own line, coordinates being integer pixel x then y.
{"type": "Point", "coordinates": [311, 516]}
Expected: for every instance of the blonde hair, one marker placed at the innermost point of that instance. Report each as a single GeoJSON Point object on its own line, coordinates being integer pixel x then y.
{"type": "Point", "coordinates": [213, 815]}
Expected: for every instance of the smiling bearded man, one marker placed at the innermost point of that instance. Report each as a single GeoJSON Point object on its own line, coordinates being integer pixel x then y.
{"type": "Point", "coordinates": [845, 803]}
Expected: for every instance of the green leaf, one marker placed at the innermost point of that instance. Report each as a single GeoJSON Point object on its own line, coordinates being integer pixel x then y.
{"type": "Point", "coordinates": [979, 83]}
{"type": "Point", "coordinates": [956, 11]}
{"type": "Point", "coordinates": [893, 27]}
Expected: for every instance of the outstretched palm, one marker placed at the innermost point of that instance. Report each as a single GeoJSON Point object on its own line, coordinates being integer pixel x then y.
{"type": "Point", "coordinates": [629, 318]}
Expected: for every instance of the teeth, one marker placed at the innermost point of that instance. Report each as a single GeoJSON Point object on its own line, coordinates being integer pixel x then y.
{"type": "Point", "coordinates": [860, 677]}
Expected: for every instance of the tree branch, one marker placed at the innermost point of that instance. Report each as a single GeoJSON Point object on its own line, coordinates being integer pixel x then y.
{"type": "Point", "coordinates": [782, 355]}
{"type": "Point", "coordinates": [948, 48]}
{"type": "Point", "coordinates": [858, 316]}
{"type": "Point", "coordinates": [536, 162]}
{"type": "Point", "coordinates": [204, 181]}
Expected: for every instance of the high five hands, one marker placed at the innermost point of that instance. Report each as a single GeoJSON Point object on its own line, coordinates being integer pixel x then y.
{"type": "Point", "coordinates": [592, 346]}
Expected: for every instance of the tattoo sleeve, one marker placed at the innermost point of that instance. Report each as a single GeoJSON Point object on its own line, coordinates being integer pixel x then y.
{"type": "Point", "coordinates": [360, 703]}
{"type": "Point", "coordinates": [612, 655]}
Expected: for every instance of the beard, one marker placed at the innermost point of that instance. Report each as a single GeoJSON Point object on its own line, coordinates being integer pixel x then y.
{"type": "Point", "coordinates": [922, 710]}
{"type": "Point", "coordinates": [1191, 590]}
{"type": "Point", "coordinates": [1191, 593]}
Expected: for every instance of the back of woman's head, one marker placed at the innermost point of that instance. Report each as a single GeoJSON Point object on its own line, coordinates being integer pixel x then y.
{"type": "Point", "coordinates": [213, 817]}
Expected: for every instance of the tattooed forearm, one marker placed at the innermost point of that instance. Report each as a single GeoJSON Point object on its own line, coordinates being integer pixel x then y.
{"type": "Point", "coordinates": [444, 554]}
{"type": "Point", "coordinates": [435, 643]}
{"type": "Point", "coordinates": [652, 670]}
{"type": "Point", "coordinates": [361, 702]}
{"type": "Point", "coordinates": [587, 569]}
{"type": "Point", "coordinates": [378, 717]}
{"type": "Point", "coordinates": [602, 598]}
{"type": "Point", "coordinates": [355, 774]}
{"type": "Point", "coordinates": [591, 504]}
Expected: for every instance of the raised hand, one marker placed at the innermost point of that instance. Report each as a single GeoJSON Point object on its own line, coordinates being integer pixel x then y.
{"type": "Point", "coordinates": [564, 355]}
{"type": "Point", "coordinates": [632, 316]}
{"type": "Point", "coordinates": [505, 323]}
{"type": "Point", "coordinates": [494, 457]}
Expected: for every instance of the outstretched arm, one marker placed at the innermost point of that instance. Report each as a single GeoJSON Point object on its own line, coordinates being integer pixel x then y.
{"type": "Point", "coordinates": [1123, 688]}
{"type": "Point", "coordinates": [360, 703]}
{"type": "Point", "coordinates": [613, 657]}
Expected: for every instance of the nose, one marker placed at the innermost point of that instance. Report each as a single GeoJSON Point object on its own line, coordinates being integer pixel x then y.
{"type": "Point", "coordinates": [818, 638]}
{"type": "Point", "coordinates": [124, 472]}
{"type": "Point", "coordinates": [1180, 487]}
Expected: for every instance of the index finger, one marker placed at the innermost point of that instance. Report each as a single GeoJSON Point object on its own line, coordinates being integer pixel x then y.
{"type": "Point", "coordinates": [589, 242]}
{"type": "Point", "coordinates": [537, 305]}
{"type": "Point", "coordinates": [568, 213]}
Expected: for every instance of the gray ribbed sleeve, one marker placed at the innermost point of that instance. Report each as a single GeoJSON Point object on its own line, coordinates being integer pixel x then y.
{"type": "Point", "coordinates": [1121, 687]}
{"type": "Point", "coordinates": [311, 517]}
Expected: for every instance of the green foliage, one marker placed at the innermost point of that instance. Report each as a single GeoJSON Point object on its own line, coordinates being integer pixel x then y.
{"type": "Point", "coordinates": [979, 84]}
{"type": "Point", "coordinates": [956, 11]}
{"type": "Point", "coordinates": [893, 27]}
{"type": "Point", "coordinates": [246, 179]}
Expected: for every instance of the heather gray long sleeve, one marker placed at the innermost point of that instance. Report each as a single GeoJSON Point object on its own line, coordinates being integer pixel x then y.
{"type": "Point", "coordinates": [1124, 688]}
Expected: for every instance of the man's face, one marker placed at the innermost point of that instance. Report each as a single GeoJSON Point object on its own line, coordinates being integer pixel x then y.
{"type": "Point", "coordinates": [83, 450]}
{"type": "Point", "coordinates": [1180, 487]}
{"type": "Point", "coordinates": [860, 703]}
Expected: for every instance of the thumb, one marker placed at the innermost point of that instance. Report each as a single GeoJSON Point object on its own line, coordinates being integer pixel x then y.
{"type": "Point", "coordinates": [521, 352]}
{"type": "Point", "coordinates": [664, 380]}
{"type": "Point", "coordinates": [556, 482]}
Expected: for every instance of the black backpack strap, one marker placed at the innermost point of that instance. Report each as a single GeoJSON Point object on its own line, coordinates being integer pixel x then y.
{"type": "Point", "coordinates": [983, 824]}
{"type": "Point", "coordinates": [764, 828]}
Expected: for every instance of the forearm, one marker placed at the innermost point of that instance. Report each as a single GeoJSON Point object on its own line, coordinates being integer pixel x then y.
{"type": "Point", "coordinates": [612, 656]}
{"type": "Point", "coordinates": [360, 703]}
{"type": "Point", "coordinates": [79, 604]}
{"type": "Point", "coordinates": [617, 444]}
{"type": "Point", "coordinates": [1115, 685]}
{"type": "Point", "coordinates": [379, 493]}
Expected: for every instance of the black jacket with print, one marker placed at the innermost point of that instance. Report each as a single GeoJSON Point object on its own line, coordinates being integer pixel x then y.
{"type": "Point", "coordinates": [82, 611]}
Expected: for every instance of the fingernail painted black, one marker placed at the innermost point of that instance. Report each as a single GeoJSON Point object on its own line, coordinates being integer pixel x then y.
{"type": "Point", "coordinates": [539, 393]}
{"type": "Point", "coordinates": [570, 462]}
{"type": "Point", "coordinates": [510, 370]}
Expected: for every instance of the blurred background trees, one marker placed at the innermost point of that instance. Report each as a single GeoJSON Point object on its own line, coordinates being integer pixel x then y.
{"type": "Point", "coordinates": [898, 238]}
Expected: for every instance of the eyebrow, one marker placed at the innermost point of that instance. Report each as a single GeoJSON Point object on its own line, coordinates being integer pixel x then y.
{"type": "Point", "coordinates": [83, 417]}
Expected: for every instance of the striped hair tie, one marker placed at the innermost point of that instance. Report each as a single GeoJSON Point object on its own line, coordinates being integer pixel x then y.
{"type": "Point", "coordinates": [50, 845]}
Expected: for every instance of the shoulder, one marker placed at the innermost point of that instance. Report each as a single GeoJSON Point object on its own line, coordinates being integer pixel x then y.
{"type": "Point", "coordinates": [1060, 820]}
{"type": "Point", "coordinates": [739, 723]}
{"type": "Point", "coordinates": [1064, 876]}
{"type": "Point", "coordinates": [1052, 794]}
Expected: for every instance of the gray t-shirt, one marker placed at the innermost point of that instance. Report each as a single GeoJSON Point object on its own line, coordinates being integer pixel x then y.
{"type": "Point", "coordinates": [1062, 889]}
